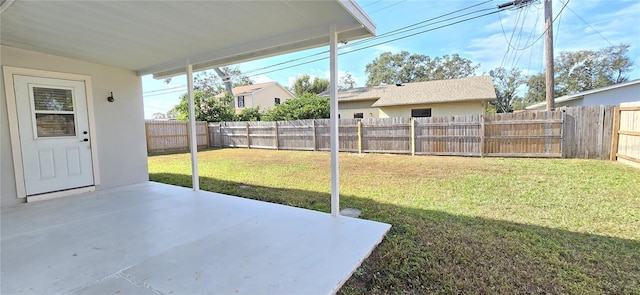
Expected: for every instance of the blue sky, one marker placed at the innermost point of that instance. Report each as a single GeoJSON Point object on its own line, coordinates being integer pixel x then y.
{"type": "Point", "coordinates": [510, 38]}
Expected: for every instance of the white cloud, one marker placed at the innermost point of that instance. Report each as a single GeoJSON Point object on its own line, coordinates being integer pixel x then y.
{"type": "Point", "coordinates": [261, 79]}
{"type": "Point", "coordinates": [382, 48]}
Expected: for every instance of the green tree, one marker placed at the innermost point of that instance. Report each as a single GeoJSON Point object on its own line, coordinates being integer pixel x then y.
{"type": "Point", "coordinates": [307, 106]}
{"type": "Point", "coordinates": [506, 83]}
{"type": "Point", "coordinates": [536, 85]}
{"type": "Point", "coordinates": [583, 70]}
{"type": "Point", "coordinates": [405, 67]}
{"type": "Point", "coordinates": [212, 83]}
{"type": "Point", "coordinates": [346, 82]}
{"type": "Point", "coordinates": [207, 107]}
{"type": "Point", "coordinates": [249, 114]}
{"type": "Point", "coordinates": [304, 84]}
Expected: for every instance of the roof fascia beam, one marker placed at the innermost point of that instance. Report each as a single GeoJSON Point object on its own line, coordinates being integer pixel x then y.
{"type": "Point", "coordinates": [252, 51]}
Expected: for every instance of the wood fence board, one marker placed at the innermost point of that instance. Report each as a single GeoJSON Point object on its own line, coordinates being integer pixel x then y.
{"type": "Point", "coordinates": [628, 151]}
{"type": "Point", "coordinates": [166, 136]}
{"type": "Point", "coordinates": [584, 132]}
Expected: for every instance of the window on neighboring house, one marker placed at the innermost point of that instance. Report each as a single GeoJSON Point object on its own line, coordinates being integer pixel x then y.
{"type": "Point", "coordinates": [358, 115]}
{"type": "Point", "coordinates": [276, 100]}
{"type": "Point", "coordinates": [421, 113]}
{"type": "Point", "coordinates": [241, 101]}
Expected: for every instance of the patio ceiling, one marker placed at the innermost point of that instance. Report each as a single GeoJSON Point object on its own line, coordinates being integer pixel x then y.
{"type": "Point", "coordinates": [158, 37]}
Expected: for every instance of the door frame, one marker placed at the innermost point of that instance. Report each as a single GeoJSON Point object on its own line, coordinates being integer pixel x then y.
{"type": "Point", "coordinates": [16, 148]}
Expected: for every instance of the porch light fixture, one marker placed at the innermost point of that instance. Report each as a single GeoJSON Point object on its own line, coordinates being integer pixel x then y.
{"type": "Point", "coordinates": [110, 97]}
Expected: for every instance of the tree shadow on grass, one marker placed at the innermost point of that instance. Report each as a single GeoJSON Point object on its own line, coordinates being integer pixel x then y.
{"type": "Point", "coordinates": [430, 251]}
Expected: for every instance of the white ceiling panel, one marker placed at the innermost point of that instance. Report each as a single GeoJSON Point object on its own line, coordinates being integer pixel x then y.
{"type": "Point", "coordinates": [157, 37]}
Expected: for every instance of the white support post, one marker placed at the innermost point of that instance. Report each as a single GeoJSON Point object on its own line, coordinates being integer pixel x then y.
{"type": "Point", "coordinates": [193, 145]}
{"type": "Point", "coordinates": [333, 93]}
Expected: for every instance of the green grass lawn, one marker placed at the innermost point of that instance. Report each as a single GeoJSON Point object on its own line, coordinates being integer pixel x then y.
{"type": "Point", "coordinates": [459, 225]}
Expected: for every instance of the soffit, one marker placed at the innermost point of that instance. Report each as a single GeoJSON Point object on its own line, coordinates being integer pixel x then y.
{"type": "Point", "coordinates": [157, 37]}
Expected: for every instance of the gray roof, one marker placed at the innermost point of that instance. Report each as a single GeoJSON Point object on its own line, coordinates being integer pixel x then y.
{"type": "Point", "coordinates": [478, 88]}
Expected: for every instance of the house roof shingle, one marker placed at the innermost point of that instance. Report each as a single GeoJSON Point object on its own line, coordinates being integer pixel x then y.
{"type": "Point", "coordinates": [246, 89]}
{"type": "Point", "coordinates": [249, 89]}
{"type": "Point", "coordinates": [453, 90]}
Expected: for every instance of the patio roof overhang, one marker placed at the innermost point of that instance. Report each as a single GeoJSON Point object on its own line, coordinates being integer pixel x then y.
{"type": "Point", "coordinates": [157, 37]}
{"type": "Point", "coordinates": [169, 38]}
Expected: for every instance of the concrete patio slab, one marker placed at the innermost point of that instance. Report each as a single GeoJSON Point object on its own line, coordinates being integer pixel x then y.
{"type": "Point", "coordinates": [154, 238]}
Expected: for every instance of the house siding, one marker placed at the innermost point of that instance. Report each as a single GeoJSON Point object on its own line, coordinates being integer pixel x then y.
{"type": "Point", "coordinates": [119, 126]}
{"type": "Point", "coordinates": [615, 96]}
{"type": "Point", "coordinates": [263, 98]}
{"type": "Point", "coordinates": [437, 110]}
{"type": "Point", "coordinates": [346, 109]}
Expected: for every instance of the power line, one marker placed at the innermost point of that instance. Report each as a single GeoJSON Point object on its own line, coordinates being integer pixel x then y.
{"type": "Point", "coordinates": [545, 31]}
{"type": "Point", "coordinates": [386, 34]}
{"type": "Point", "coordinates": [163, 93]}
{"type": "Point", "coordinates": [376, 44]}
{"type": "Point", "coordinates": [584, 21]}
{"type": "Point", "coordinates": [165, 89]}
{"type": "Point", "coordinates": [388, 6]}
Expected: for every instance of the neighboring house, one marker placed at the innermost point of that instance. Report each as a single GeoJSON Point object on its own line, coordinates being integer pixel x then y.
{"type": "Point", "coordinates": [608, 95]}
{"type": "Point", "coordinates": [263, 95]}
{"type": "Point", "coordinates": [466, 96]}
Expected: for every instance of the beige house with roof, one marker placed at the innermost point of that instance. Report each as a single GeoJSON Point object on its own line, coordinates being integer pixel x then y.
{"type": "Point", "coordinates": [466, 96]}
{"type": "Point", "coordinates": [263, 95]}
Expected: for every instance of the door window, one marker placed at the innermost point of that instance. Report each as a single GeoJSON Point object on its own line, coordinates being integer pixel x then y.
{"type": "Point", "coordinates": [53, 112]}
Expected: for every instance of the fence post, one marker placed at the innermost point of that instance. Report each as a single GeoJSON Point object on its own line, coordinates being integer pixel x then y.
{"type": "Point", "coordinates": [220, 134]}
{"type": "Point", "coordinates": [482, 134]}
{"type": "Point", "coordinates": [275, 126]}
{"type": "Point", "coordinates": [186, 124]}
{"type": "Point", "coordinates": [562, 123]}
{"type": "Point", "coordinates": [315, 143]}
{"type": "Point", "coordinates": [413, 136]}
{"type": "Point", "coordinates": [615, 135]}
{"type": "Point", "coordinates": [359, 137]}
{"type": "Point", "coordinates": [206, 133]}
{"type": "Point", "coordinates": [146, 134]}
{"type": "Point", "coordinates": [248, 137]}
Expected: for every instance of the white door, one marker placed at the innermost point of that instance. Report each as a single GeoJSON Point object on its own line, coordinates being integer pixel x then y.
{"type": "Point", "coordinates": [54, 134]}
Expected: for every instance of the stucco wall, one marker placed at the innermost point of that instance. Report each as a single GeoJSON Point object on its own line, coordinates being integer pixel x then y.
{"type": "Point", "coordinates": [346, 109]}
{"type": "Point", "coordinates": [265, 97]}
{"type": "Point", "coordinates": [119, 126]}
{"type": "Point", "coordinates": [437, 110]}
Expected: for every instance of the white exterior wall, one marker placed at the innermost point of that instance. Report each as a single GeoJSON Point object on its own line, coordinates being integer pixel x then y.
{"type": "Point", "coordinates": [119, 126]}
{"type": "Point", "coordinates": [616, 96]}
{"type": "Point", "coordinates": [346, 109]}
{"type": "Point", "coordinates": [437, 110]}
{"type": "Point", "coordinates": [571, 103]}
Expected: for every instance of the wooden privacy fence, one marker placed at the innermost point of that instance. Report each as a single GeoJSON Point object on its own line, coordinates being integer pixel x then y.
{"type": "Point", "coordinates": [625, 143]}
{"type": "Point", "coordinates": [530, 134]}
{"type": "Point", "coordinates": [573, 132]}
{"type": "Point", "coordinates": [165, 136]}
{"type": "Point", "coordinates": [588, 131]}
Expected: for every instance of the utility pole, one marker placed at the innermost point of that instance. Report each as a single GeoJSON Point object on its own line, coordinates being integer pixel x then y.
{"type": "Point", "coordinates": [549, 81]}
